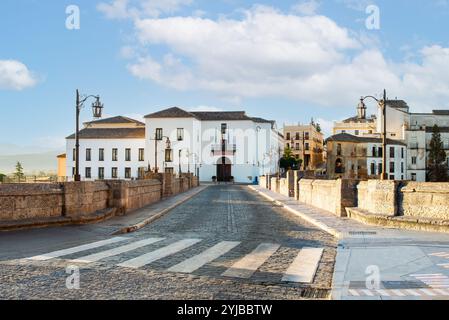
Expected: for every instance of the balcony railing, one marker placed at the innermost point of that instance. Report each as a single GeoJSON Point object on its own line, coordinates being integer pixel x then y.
{"type": "Point", "coordinates": [224, 149]}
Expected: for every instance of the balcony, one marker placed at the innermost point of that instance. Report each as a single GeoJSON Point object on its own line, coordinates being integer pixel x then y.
{"type": "Point", "coordinates": [224, 149]}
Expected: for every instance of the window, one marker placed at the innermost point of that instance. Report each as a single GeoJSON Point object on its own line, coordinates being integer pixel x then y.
{"type": "Point", "coordinates": [101, 173]}
{"type": "Point", "coordinates": [307, 147]}
{"type": "Point", "coordinates": [402, 168]}
{"type": "Point", "coordinates": [127, 173]}
{"type": "Point", "coordinates": [73, 171]}
{"type": "Point", "coordinates": [88, 154]}
{"type": "Point", "coordinates": [413, 176]}
{"type": "Point", "coordinates": [127, 154]}
{"type": "Point", "coordinates": [379, 168]}
{"type": "Point", "coordinates": [297, 136]}
{"type": "Point", "coordinates": [101, 155]}
{"type": "Point", "coordinates": [297, 146]}
{"type": "Point", "coordinates": [381, 152]}
{"type": "Point", "coordinates": [224, 127]}
{"type": "Point", "coordinates": [180, 134]}
{"type": "Point", "coordinates": [373, 169]}
{"type": "Point", "coordinates": [288, 145]}
{"type": "Point", "coordinates": [374, 152]}
{"type": "Point", "coordinates": [114, 173]}
{"type": "Point", "coordinates": [306, 136]}
{"type": "Point", "coordinates": [288, 135]}
{"type": "Point", "coordinates": [141, 154]}
{"type": "Point", "coordinates": [391, 167]}
{"type": "Point", "coordinates": [114, 154]}
{"type": "Point", "coordinates": [357, 132]}
{"type": "Point", "coordinates": [74, 154]}
{"type": "Point", "coordinates": [392, 152]}
{"type": "Point", "coordinates": [414, 160]}
{"type": "Point", "coordinates": [391, 177]}
{"type": "Point", "coordinates": [370, 131]}
{"type": "Point", "coordinates": [402, 153]}
{"type": "Point", "coordinates": [343, 131]}
{"type": "Point", "coordinates": [88, 173]}
{"type": "Point", "coordinates": [141, 172]}
{"type": "Point", "coordinates": [159, 134]}
{"type": "Point", "coordinates": [339, 149]}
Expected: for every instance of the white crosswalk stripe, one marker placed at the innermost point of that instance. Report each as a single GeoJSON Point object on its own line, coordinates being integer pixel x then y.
{"type": "Point", "coordinates": [159, 254]}
{"type": "Point", "coordinates": [116, 251]}
{"type": "Point", "coordinates": [401, 293]}
{"type": "Point", "coordinates": [65, 252]}
{"type": "Point", "coordinates": [211, 254]}
{"type": "Point", "coordinates": [304, 267]}
{"type": "Point", "coordinates": [245, 267]}
{"type": "Point", "coordinates": [434, 280]}
{"type": "Point", "coordinates": [440, 254]}
{"type": "Point", "coordinates": [301, 270]}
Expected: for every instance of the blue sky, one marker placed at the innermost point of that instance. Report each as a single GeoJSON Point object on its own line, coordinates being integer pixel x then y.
{"type": "Point", "coordinates": [283, 60]}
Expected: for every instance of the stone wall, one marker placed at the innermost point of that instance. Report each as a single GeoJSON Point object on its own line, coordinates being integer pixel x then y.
{"type": "Point", "coordinates": [331, 195]}
{"type": "Point", "coordinates": [75, 199]}
{"type": "Point", "coordinates": [378, 196]}
{"type": "Point", "coordinates": [424, 200]}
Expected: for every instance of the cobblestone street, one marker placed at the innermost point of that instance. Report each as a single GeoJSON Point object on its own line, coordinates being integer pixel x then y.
{"type": "Point", "coordinates": [227, 242]}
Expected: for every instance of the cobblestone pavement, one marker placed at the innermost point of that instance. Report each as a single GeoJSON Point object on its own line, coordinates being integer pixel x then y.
{"type": "Point", "coordinates": [218, 214]}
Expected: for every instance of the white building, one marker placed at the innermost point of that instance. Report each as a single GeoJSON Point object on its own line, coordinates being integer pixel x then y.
{"type": "Point", "coordinates": [216, 144]}
{"type": "Point", "coordinates": [416, 130]}
{"type": "Point", "coordinates": [110, 148]}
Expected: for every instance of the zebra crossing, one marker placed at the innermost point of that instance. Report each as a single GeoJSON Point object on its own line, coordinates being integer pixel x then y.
{"type": "Point", "coordinates": [302, 269]}
{"type": "Point", "coordinates": [444, 255]}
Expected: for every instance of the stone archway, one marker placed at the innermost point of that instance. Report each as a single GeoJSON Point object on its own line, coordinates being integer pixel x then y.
{"type": "Point", "coordinates": [224, 169]}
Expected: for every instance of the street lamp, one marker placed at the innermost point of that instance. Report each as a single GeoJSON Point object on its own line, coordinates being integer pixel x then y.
{"type": "Point", "coordinates": [383, 105]}
{"type": "Point", "coordinates": [97, 109]}
{"type": "Point", "coordinates": [168, 146]}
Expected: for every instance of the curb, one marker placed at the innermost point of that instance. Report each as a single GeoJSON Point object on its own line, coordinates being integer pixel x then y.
{"type": "Point", "coordinates": [316, 223]}
{"type": "Point", "coordinates": [160, 214]}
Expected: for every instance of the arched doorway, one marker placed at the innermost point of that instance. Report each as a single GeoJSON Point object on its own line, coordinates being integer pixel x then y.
{"type": "Point", "coordinates": [224, 170]}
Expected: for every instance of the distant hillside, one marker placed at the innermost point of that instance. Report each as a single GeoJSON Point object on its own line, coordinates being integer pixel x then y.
{"type": "Point", "coordinates": [31, 163]}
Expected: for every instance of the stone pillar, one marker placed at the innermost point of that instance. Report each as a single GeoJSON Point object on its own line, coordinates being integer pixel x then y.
{"type": "Point", "coordinates": [296, 184]}
{"type": "Point", "coordinates": [119, 195]}
{"type": "Point", "coordinates": [78, 198]}
{"type": "Point", "coordinates": [291, 183]}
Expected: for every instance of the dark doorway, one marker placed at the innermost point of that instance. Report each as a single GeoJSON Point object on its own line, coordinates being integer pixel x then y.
{"type": "Point", "coordinates": [224, 170]}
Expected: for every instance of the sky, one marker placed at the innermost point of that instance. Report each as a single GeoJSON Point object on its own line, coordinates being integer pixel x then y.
{"type": "Point", "coordinates": [288, 61]}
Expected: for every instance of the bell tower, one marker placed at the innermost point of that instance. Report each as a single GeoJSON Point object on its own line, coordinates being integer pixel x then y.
{"type": "Point", "coordinates": [361, 110]}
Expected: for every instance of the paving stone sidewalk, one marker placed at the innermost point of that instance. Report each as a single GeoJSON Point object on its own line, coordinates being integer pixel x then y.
{"type": "Point", "coordinates": [338, 227]}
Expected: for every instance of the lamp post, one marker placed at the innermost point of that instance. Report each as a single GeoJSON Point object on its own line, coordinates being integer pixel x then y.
{"type": "Point", "coordinates": [383, 105]}
{"type": "Point", "coordinates": [97, 108]}
{"type": "Point", "coordinates": [168, 147]}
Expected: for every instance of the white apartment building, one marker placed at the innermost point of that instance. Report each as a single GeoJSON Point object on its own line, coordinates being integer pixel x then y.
{"type": "Point", "coordinates": [223, 145]}
{"type": "Point", "coordinates": [112, 148]}
{"type": "Point", "coordinates": [412, 129]}
{"type": "Point", "coordinates": [416, 130]}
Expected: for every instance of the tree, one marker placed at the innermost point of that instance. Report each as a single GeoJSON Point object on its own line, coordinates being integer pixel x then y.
{"type": "Point", "coordinates": [437, 166]}
{"type": "Point", "coordinates": [2, 177]}
{"type": "Point", "coordinates": [288, 161]}
{"type": "Point", "coordinates": [318, 127]}
{"type": "Point", "coordinates": [19, 171]}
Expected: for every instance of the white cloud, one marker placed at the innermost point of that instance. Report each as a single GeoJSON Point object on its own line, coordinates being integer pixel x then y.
{"type": "Point", "coordinates": [270, 53]}
{"type": "Point", "coordinates": [14, 75]}
{"type": "Point", "coordinates": [205, 109]}
{"type": "Point", "coordinates": [121, 9]}
{"type": "Point", "coordinates": [307, 7]}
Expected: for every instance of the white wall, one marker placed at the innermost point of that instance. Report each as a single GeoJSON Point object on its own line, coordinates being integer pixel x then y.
{"type": "Point", "coordinates": [254, 142]}
{"type": "Point", "coordinates": [107, 164]}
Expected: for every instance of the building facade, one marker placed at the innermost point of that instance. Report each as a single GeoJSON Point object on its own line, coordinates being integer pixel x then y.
{"type": "Point", "coordinates": [306, 143]}
{"type": "Point", "coordinates": [353, 157]}
{"type": "Point", "coordinates": [359, 126]}
{"type": "Point", "coordinates": [221, 145]}
{"type": "Point", "coordinates": [112, 148]}
{"type": "Point", "coordinates": [416, 130]}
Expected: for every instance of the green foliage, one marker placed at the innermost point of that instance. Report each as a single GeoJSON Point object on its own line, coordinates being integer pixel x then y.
{"type": "Point", "coordinates": [437, 166]}
{"type": "Point", "coordinates": [2, 177]}
{"type": "Point", "coordinates": [288, 161]}
{"type": "Point", "coordinates": [19, 171]}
